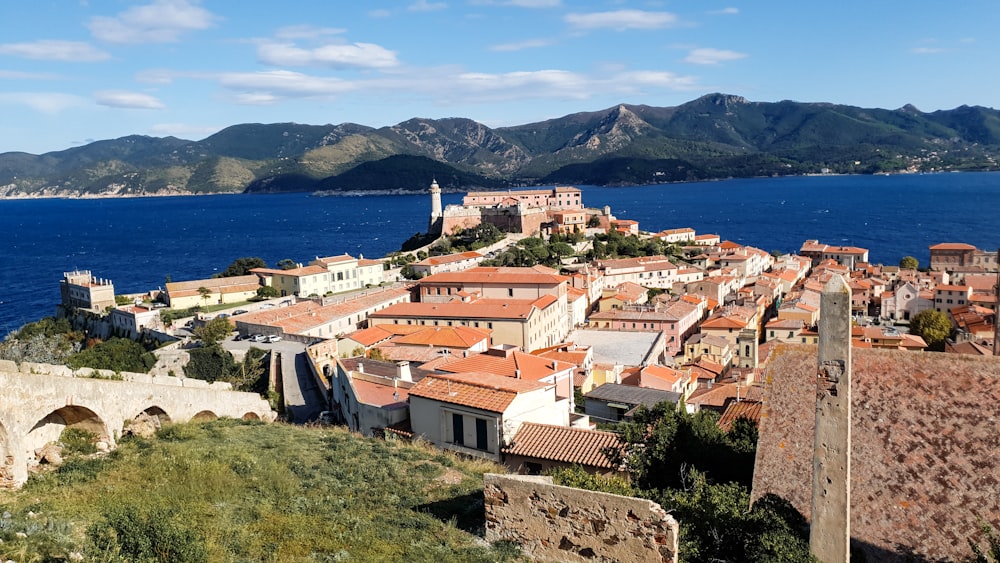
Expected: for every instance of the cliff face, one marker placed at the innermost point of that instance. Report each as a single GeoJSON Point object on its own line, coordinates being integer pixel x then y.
{"type": "Point", "coordinates": [715, 136]}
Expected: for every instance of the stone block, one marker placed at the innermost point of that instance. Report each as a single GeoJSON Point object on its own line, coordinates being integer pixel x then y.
{"type": "Point", "coordinates": [555, 523]}
{"type": "Point", "coordinates": [8, 366]}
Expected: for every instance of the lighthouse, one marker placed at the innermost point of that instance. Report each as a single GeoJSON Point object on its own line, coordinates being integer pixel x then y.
{"type": "Point", "coordinates": [435, 222]}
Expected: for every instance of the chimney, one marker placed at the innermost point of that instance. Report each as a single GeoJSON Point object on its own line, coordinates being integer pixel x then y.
{"type": "Point", "coordinates": [517, 374]}
{"type": "Point", "coordinates": [403, 371]}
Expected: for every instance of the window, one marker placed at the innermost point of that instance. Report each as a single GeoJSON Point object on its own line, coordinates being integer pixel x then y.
{"type": "Point", "coordinates": [510, 292]}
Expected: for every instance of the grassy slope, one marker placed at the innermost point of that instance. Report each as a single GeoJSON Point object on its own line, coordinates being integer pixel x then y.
{"type": "Point", "coordinates": [259, 492]}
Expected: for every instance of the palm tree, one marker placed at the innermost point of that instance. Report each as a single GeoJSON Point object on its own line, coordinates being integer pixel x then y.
{"type": "Point", "coordinates": [204, 292]}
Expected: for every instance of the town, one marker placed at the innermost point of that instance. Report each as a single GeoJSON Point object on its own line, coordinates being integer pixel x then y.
{"type": "Point", "coordinates": [527, 325]}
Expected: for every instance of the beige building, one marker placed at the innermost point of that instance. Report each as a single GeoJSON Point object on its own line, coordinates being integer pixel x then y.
{"type": "Point", "coordinates": [478, 414]}
{"type": "Point", "coordinates": [80, 290]}
{"type": "Point", "coordinates": [448, 263]}
{"type": "Point", "coordinates": [558, 198]}
{"type": "Point", "coordinates": [529, 324]}
{"type": "Point", "coordinates": [129, 321]}
{"type": "Point", "coordinates": [347, 272]}
{"type": "Point", "coordinates": [324, 318]}
{"type": "Point", "coordinates": [236, 289]}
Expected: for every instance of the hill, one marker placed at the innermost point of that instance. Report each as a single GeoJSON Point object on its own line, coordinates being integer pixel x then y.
{"type": "Point", "coordinates": [714, 136]}
{"type": "Point", "coordinates": [235, 491]}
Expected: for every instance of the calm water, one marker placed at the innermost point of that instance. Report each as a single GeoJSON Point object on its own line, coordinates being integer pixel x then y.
{"type": "Point", "coordinates": [138, 242]}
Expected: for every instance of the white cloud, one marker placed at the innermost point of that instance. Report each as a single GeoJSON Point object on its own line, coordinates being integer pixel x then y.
{"type": "Point", "coordinates": [730, 11]}
{"type": "Point", "coordinates": [269, 87]}
{"type": "Point", "coordinates": [425, 6]}
{"type": "Point", "coordinates": [357, 55]}
{"type": "Point", "coordinates": [520, 45]}
{"type": "Point", "coordinates": [50, 103]}
{"type": "Point", "coordinates": [927, 50]}
{"type": "Point", "coordinates": [18, 75]}
{"type": "Point", "coordinates": [56, 50]}
{"type": "Point", "coordinates": [660, 79]}
{"type": "Point", "coordinates": [292, 32]}
{"type": "Point", "coordinates": [162, 21]}
{"type": "Point", "coordinates": [707, 56]}
{"type": "Point", "coordinates": [126, 99]}
{"type": "Point", "coordinates": [381, 13]}
{"type": "Point", "coordinates": [518, 3]}
{"type": "Point", "coordinates": [622, 20]}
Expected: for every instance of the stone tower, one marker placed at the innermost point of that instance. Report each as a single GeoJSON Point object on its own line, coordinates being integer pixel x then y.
{"type": "Point", "coordinates": [830, 529]}
{"type": "Point", "coordinates": [746, 344]}
{"type": "Point", "coordinates": [435, 223]}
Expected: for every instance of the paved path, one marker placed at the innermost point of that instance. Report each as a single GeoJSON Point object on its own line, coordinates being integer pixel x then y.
{"type": "Point", "coordinates": [304, 398]}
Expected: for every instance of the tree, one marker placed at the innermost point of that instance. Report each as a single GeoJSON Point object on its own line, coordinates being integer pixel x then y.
{"type": "Point", "coordinates": [214, 331]}
{"type": "Point", "coordinates": [933, 326]}
{"type": "Point", "coordinates": [267, 292]}
{"type": "Point", "coordinates": [204, 292]}
{"type": "Point", "coordinates": [117, 354]}
{"type": "Point", "coordinates": [908, 263]}
{"type": "Point", "coordinates": [242, 267]}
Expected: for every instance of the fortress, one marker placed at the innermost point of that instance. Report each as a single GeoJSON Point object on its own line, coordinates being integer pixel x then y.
{"type": "Point", "coordinates": [512, 211]}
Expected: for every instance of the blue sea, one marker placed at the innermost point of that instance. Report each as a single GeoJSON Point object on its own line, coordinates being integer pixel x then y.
{"type": "Point", "coordinates": [138, 242]}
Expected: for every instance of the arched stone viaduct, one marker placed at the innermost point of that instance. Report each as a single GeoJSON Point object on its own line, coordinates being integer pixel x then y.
{"type": "Point", "coordinates": [37, 405]}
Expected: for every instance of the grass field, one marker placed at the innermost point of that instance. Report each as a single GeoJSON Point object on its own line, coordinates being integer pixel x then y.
{"type": "Point", "coordinates": [230, 490]}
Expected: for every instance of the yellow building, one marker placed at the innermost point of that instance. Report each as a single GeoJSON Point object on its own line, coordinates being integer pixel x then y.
{"type": "Point", "coordinates": [212, 291]}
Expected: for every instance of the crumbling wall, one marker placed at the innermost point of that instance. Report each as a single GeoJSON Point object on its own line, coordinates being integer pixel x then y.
{"type": "Point", "coordinates": [556, 523]}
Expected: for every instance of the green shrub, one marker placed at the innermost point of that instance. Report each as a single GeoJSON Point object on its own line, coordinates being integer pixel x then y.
{"type": "Point", "coordinates": [148, 533]}
{"type": "Point", "coordinates": [78, 441]}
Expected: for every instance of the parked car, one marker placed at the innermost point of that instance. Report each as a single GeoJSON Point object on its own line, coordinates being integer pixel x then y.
{"type": "Point", "coordinates": [258, 338]}
{"type": "Point", "coordinates": [240, 312]}
{"type": "Point", "coordinates": [238, 337]}
{"type": "Point", "coordinates": [274, 338]}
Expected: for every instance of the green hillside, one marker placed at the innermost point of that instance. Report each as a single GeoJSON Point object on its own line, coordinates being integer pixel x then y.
{"type": "Point", "coordinates": [238, 491]}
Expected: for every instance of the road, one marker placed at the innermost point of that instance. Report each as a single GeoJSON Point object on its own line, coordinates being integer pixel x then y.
{"type": "Point", "coordinates": [304, 398]}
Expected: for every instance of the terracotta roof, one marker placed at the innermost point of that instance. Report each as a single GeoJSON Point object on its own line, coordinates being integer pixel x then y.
{"type": "Point", "coordinates": [720, 394]}
{"type": "Point", "coordinates": [380, 395]}
{"type": "Point", "coordinates": [306, 315]}
{"type": "Point", "coordinates": [531, 367]}
{"type": "Point", "coordinates": [447, 259]}
{"type": "Point", "coordinates": [335, 259]}
{"type": "Point", "coordinates": [953, 246]}
{"type": "Point", "coordinates": [225, 285]}
{"type": "Point", "coordinates": [740, 409]}
{"type": "Point", "coordinates": [923, 472]}
{"type": "Point", "coordinates": [293, 272]}
{"type": "Point", "coordinates": [486, 391]}
{"type": "Point", "coordinates": [510, 309]}
{"type": "Point", "coordinates": [498, 276]}
{"type": "Point", "coordinates": [563, 444]}
{"type": "Point", "coordinates": [445, 336]}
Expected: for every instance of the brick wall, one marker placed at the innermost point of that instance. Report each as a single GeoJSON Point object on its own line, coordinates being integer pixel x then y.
{"type": "Point", "coordinates": [554, 523]}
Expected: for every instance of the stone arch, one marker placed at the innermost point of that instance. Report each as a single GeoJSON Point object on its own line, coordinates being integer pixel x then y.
{"type": "Point", "coordinates": [157, 413]}
{"type": "Point", "coordinates": [251, 416]}
{"type": "Point", "coordinates": [50, 427]}
{"type": "Point", "coordinates": [204, 416]}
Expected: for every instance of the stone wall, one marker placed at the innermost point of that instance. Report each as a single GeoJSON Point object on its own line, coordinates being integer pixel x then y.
{"type": "Point", "coordinates": [555, 523]}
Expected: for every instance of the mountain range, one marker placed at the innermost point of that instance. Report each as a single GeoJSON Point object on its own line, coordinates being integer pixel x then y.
{"type": "Point", "coordinates": [714, 136]}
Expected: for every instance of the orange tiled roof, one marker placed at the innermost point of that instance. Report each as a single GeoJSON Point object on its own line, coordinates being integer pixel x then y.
{"type": "Point", "coordinates": [923, 473]}
{"type": "Point", "coordinates": [485, 391]}
{"type": "Point", "coordinates": [563, 444]}
{"type": "Point", "coordinates": [380, 395]}
{"type": "Point", "coordinates": [294, 272]}
{"type": "Point", "coordinates": [952, 246]}
{"type": "Point", "coordinates": [530, 366]}
{"type": "Point", "coordinates": [740, 409]}
{"type": "Point", "coordinates": [335, 259]}
{"type": "Point", "coordinates": [225, 285]}
{"type": "Point", "coordinates": [445, 336]}
{"type": "Point", "coordinates": [508, 309]}
{"type": "Point", "coordinates": [498, 276]}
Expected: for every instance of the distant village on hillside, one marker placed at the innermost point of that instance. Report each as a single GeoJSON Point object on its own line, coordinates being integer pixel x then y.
{"type": "Point", "coordinates": [519, 364]}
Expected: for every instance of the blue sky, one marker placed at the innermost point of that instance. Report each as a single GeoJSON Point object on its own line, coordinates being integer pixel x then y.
{"type": "Point", "coordinates": [74, 71]}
